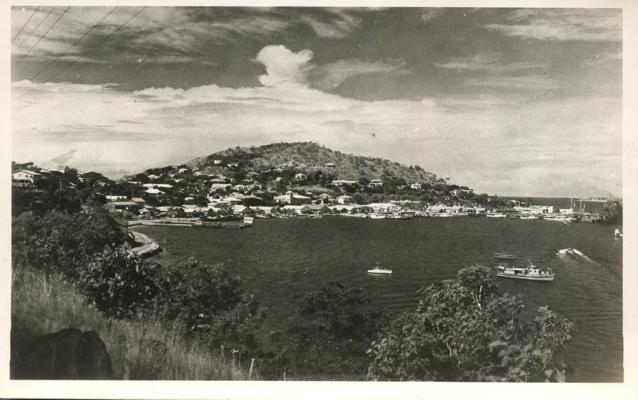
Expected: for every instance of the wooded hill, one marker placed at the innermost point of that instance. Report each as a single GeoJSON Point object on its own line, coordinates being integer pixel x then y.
{"type": "Point", "coordinates": [307, 157]}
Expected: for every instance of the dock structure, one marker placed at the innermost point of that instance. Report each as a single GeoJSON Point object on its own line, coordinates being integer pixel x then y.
{"type": "Point", "coordinates": [188, 222]}
{"type": "Point", "coordinates": [147, 247]}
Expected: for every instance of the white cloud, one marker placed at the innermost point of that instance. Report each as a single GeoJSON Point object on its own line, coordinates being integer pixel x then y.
{"type": "Point", "coordinates": [339, 23]}
{"type": "Point", "coordinates": [115, 131]}
{"type": "Point", "coordinates": [488, 63]}
{"type": "Point", "coordinates": [586, 24]}
{"type": "Point", "coordinates": [283, 65]}
{"type": "Point", "coordinates": [331, 75]}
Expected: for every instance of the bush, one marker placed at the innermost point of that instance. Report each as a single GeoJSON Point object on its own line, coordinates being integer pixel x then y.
{"type": "Point", "coordinates": [468, 331]}
{"type": "Point", "coordinates": [62, 242]}
{"type": "Point", "coordinates": [119, 284]}
{"type": "Point", "coordinates": [330, 339]}
{"type": "Point", "coordinates": [209, 300]}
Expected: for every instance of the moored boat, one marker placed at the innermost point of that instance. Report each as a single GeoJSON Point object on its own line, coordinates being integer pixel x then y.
{"type": "Point", "coordinates": [377, 270]}
{"type": "Point", "coordinates": [529, 273]}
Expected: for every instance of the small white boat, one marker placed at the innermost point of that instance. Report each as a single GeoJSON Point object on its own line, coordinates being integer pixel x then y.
{"type": "Point", "coordinates": [529, 273]}
{"type": "Point", "coordinates": [377, 270]}
{"type": "Point", "coordinates": [570, 252]}
{"type": "Point", "coordinates": [495, 215]}
{"type": "Point", "coordinates": [617, 233]}
{"type": "Point", "coordinates": [377, 216]}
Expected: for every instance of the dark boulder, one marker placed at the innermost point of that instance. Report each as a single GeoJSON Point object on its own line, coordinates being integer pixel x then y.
{"type": "Point", "coordinates": [67, 354]}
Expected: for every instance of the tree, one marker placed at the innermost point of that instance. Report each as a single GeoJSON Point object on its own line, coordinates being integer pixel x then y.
{"type": "Point", "coordinates": [468, 331]}
{"type": "Point", "coordinates": [119, 284]}
{"type": "Point", "coordinates": [331, 338]}
{"type": "Point", "coordinates": [210, 302]}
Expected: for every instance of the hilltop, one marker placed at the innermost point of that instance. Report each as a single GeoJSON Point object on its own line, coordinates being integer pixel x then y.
{"type": "Point", "coordinates": [308, 157]}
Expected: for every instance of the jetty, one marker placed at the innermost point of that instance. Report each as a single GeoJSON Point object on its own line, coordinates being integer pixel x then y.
{"type": "Point", "coordinates": [188, 222]}
{"type": "Point", "coordinates": [147, 246]}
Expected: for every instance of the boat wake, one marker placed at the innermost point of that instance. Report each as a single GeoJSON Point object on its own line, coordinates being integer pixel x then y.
{"type": "Point", "coordinates": [574, 253]}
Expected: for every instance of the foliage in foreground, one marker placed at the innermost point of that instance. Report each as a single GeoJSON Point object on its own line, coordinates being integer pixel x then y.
{"type": "Point", "coordinates": [88, 250]}
{"type": "Point", "coordinates": [329, 338]}
{"type": "Point", "coordinates": [139, 349]}
{"type": "Point", "coordinates": [469, 331]}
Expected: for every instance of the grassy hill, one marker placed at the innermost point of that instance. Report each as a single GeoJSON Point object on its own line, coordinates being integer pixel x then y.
{"type": "Point", "coordinates": [308, 157]}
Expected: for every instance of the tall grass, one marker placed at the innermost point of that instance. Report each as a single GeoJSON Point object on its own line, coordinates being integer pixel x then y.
{"type": "Point", "coordinates": [139, 349]}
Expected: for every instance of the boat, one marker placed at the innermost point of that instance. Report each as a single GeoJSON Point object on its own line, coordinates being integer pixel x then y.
{"type": "Point", "coordinates": [249, 220]}
{"type": "Point", "coordinates": [377, 270]}
{"type": "Point", "coordinates": [495, 215]}
{"type": "Point", "coordinates": [529, 273]}
{"type": "Point", "coordinates": [617, 233]}
{"type": "Point", "coordinates": [377, 216]}
{"type": "Point", "coordinates": [504, 256]}
{"type": "Point", "coordinates": [570, 252]}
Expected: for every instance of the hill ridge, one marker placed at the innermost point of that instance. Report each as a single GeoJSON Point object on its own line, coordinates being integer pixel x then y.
{"type": "Point", "coordinates": [310, 156]}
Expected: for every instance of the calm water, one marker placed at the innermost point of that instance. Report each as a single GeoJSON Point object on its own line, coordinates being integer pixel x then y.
{"type": "Point", "coordinates": [280, 259]}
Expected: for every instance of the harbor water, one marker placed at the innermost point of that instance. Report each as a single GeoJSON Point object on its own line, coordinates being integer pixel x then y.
{"type": "Point", "coordinates": [281, 259]}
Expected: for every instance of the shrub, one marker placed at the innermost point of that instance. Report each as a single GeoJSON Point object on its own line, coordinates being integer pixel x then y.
{"type": "Point", "coordinates": [119, 284]}
{"type": "Point", "coordinates": [468, 331]}
{"type": "Point", "coordinates": [209, 300]}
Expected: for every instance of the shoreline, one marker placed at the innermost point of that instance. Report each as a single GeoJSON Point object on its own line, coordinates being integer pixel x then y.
{"type": "Point", "coordinates": [147, 247]}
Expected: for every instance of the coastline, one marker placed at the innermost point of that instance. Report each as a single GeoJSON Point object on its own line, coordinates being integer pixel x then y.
{"type": "Point", "coordinates": [147, 246]}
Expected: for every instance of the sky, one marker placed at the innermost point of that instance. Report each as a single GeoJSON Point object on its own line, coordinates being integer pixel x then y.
{"type": "Point", "coordinates": [507, 101]}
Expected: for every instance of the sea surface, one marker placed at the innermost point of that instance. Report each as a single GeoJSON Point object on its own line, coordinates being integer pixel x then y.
{"type": "Point", "coordinates": [281, 259]}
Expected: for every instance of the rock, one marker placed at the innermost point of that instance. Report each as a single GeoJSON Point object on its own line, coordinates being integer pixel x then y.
{"type": "Point", "coordinates": [67, 354]}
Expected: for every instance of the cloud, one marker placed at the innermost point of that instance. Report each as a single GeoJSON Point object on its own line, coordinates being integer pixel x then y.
{"type": "Point", "coordinates": [329, 76]}
{"type": "Point", "coordinates": [283, 65]}
{"type": "Point", "coordinates": [161, 34]}
{"type": "Point", "coordinates": [334, 24]}
{"type": "Point", "coordinates": [488, 63]}
{"type": "Point", "coordinates": [533, 140]}
{"type": "Point", "coordinates": [563, 24]}
{"type": "Point", "coordinates": [528, 82]}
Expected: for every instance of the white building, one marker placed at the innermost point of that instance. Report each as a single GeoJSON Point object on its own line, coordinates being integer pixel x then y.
{"type": "Point", "coordinates": [344, 199]}
{"type": "Point", "coordinates": [376, 182]}
{"type": "Point", "coordinates": [343, 182]}
{"type": "Point", "coordinates": [25, 175]}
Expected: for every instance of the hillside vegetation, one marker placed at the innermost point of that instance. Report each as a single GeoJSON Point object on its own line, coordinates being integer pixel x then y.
{"type": "Point", "coordinates": [309, 157]}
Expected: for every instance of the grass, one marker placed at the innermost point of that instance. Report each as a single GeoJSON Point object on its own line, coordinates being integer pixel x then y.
{"type": "Point", "coordinates": [139, 349]}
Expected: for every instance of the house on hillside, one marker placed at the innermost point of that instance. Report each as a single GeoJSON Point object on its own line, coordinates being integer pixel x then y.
{"type": "Point", "coordinates": [233, 164]}
{"type": "Point", "coordinates": [115, 197]}
{"type": "Point", "coordinates": [375, 183]}
{"type": "Point", "coordinates": [24, 179]}
{"type": "Point", "coordinates": [415, 186]}
{"type": "Point", "coordinates": [325, 198]}
{"type": "Point", "coordinates": [343, 182]}
{"type": "Point", "coordinates": [292, 198]}
{"type": "Point", "coordinates": [120, 206]}
{"type": "Point", "coordinates": [154, 192]}
{"type": "Point", "coordinates": [344, 199]}
{"type": "Point", "coordinates": [300, 177]}
{"type": "Point", "coordinates": [26, 175]}
{"type": "Point", "coordinates": [219, 187]}
{"type": "Point", "coordinates": [217, 162]}
{"type": "Point", "coordinates": [330, 165]}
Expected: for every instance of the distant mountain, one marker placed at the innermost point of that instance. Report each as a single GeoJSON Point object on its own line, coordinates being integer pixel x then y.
{"type": "Point", "coordinates": [309, 156]}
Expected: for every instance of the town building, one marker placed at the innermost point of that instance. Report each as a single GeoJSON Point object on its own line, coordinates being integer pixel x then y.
{"type": "Point", "coordinates": [292, 198]}
{"type": "Point", "coordinates": [343, 182]}
{"type": "Point", "coordinates": [344, 199]}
